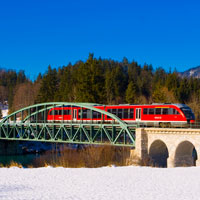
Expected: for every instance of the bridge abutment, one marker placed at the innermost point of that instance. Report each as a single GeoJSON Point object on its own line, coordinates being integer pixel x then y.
{"type": "Point", "coordinates": [141, 144]}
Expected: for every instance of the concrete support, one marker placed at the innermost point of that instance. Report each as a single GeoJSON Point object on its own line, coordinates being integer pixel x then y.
{"type": "Point", "coordinates": [133, 158]}
{"type": "Point", "coordinates": [170, 162]}
{"type": "Point", "coordinates": [198, 162]}
{"type": "Point", "coordinates": [141, 147]}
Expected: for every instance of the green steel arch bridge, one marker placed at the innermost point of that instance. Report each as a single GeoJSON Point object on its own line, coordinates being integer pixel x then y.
{"type": "Point", "coordinates": [31, 124]}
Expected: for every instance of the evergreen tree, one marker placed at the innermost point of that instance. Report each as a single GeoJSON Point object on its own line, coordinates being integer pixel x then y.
{"type": "Point", "coordinates": [48, 87]}
{"type": "Point", "coordinates": [109, 87]}
{"type": "Point", "coordinates": [65, 87]}
{"type": "Point", "coordinates": [39, 78]}
{"type": "Point", "coordinates": [158, 95]}
{"type": "Point", "coordinates": [145, 82]}
{"type": "Point", "coordinates": [120, 83]}
{"type": "Point", "coordinates": [21, 77]}
{"type": "Point", "coordinates": [90, 81]}
{"type": "Point", "coordinates": [159, 77]}
{"type": "Point", "coordinates": [172, 81]}
{"type": "Point", "coordinates": [184, 91]}
{"type": "Point", "coordinates": [131, 93]}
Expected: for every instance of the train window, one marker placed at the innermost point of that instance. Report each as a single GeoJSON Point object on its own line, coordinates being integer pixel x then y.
{"type": "Point", "coordinates": [131, 114]}
{"type": "Point", "coordinates": [114, 111]}
{"type": "Point", "coordinates": [119, 114]}
{"type": "Point", "coordinates": [110, 111]}
{"type": "Point", "coordinates": [89, 114]}
{"type": "Point", "coordinates": [151, 111]}
{"type": "Point", "coordinates": [158, 111]}
{"type": "Point", "coordinates": [96, 115]}
{"type": "Point", "coordinates": [170, 111]}
{"type": "Point", "coordinates": [165, 111]}
{"type": "Point", "coordinates": [52, 112]}
{"type": "Point", "coordinates": [145, 111]}
{"type": "Point", "coordinates": [187, 112]}
{"type": "Point", "coordinates": [84, 114]}
{"type": "Point", "coordinates": [125, 113]}
{"type": "Point", "coordinates": [56, 112]}
{"type": "Point", "coordinates": [66, 112]}
{"type": "Point", "coordinates": [79, 113]}
{"type": "Point", "coordinates": [175, 112]}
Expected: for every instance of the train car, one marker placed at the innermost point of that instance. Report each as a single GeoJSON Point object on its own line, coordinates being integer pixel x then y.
{"type": "Point", "coordinates": [162, 115]}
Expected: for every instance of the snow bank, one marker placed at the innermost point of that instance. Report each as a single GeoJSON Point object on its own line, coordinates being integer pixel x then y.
{"type": "Point", "coordinates": [113, 183]}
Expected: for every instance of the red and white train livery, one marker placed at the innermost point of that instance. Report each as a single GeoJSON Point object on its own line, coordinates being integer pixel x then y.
{"type": "Point", "coordinates": [152, 114]}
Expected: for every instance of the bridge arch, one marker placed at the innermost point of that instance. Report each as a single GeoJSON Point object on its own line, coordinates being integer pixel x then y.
{"type": "Point", "coordinates": [185, 154]}
{"type": "Point", "coordinates": [158, 153]}
{"type": "Point", "coordinates": [32, 123]}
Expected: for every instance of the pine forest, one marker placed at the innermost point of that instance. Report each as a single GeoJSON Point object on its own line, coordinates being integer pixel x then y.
{"type": "Point", "coordinates": [102, 81]}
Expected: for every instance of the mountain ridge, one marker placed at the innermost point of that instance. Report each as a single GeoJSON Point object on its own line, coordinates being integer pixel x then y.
{"type": "Point", "coordinates": [192, 72]}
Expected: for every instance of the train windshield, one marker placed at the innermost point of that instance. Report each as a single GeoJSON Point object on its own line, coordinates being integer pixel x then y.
{"type": "Point", "coordinates": [188, 113]}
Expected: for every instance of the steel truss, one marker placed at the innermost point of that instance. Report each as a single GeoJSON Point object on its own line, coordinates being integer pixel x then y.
{"type": "Point", "coordinates": [31, 124]}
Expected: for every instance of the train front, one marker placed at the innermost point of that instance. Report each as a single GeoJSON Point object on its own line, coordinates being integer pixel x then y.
{"type": "Point", "coordinates": [187, 111]}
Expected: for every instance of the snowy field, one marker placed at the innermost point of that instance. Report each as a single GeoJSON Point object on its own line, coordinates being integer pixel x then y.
{"type": "Point", "coordinates": [137, 183]}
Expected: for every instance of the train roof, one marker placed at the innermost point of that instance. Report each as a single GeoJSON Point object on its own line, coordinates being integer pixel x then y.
{"type": "Point", "coordinates": [179, 105]}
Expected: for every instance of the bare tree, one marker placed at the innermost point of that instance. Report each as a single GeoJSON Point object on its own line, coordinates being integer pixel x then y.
{"type": "Point", "coordinates": [24, 95]}
{"type": "Point", "coordinates": [3, 94]}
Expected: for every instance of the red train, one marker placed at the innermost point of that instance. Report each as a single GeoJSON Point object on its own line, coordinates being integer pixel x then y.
{"type": "Point", "coordinates": [153, 114]}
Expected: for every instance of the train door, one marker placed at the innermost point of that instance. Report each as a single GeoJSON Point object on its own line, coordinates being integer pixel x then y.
{"type": "Point", "coordinates": [74, 114]}
{"type": "Point", "coordinates": [138, 114]}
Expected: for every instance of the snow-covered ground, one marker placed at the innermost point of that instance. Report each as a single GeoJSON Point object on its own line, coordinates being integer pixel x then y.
{"type": "Point", "coordinates": [4, 112]}
{"type": "Point", "coordinates": [137, 183]}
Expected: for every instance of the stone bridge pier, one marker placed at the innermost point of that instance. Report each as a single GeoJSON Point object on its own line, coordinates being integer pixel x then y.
{"type": "Point", "coordinates": [169, 147]}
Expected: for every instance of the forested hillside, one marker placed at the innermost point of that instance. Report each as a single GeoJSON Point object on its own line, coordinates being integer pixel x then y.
{"type": "Point", "coordinates": [101, 81]}
{"type": "Point", "coordinates": [10, 80]}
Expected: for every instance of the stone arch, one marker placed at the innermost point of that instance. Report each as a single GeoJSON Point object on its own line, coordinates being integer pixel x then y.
{"type": "Point", "coordinates": [185, 155]}
{"type": "Point", "coordinates": [158, 153]}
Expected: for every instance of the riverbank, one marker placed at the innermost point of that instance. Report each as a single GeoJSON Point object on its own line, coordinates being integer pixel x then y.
{"type": "Point", "coordinates": [141, 183]}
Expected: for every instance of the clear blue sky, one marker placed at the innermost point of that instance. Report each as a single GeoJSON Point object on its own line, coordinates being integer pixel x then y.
{"type": "Point", "coordinates": [34, 34]}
